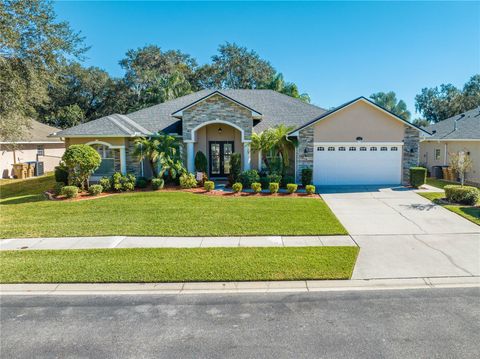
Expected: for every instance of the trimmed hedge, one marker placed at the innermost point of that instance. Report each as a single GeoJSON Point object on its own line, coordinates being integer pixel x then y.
{"type": "Point", "coordinates": [310, 189]}
{"type": "Point", "coordinates": [106, 183]}
{"type": "Point", "coordinates": [256, 187]}
{"type": "Point", "coordinates": [209, 186]}
{"type": "Point", "coordinates": [95, 189]}
{"type": "Point", "coordinates": [418, 176]}
{"type": "Point", "coordinates": [292, 188]}
{"type": "Point", "coordinates": [248, 177]}
{"type": "Point", "coordinates": [188, 180]}
{"type": "Point", "coordinates": [70, 191]}
{"type": "Point", "coordinates": [307, 175]}
{"type": "Point", "coordinates": [462, 194]}
{"type": "Point", "coordinates": [157, 183]}
{"type": "Point", "coordinates": [274, 186]}
{"type": "Point", "coordinates": [237, 187]}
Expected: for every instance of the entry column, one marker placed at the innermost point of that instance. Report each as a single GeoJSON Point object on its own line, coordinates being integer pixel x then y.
{"type": "Point", "coordinates": [190, 157]}
{"type": "Point", "coordinates": [246, 156]}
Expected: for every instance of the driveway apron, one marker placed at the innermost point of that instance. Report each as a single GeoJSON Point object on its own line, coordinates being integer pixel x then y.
{"type": "Point", "coordinates": [403, 235]}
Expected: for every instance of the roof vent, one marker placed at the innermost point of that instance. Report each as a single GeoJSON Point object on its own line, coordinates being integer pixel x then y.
{"type": "Point", "coordinates": [456, 120]}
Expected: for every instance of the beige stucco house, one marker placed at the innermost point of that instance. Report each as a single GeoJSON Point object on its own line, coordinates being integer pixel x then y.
{"type": "Point", "coordinates": [356, 143]}
{"type": "Point", "coordinates": [36, 147]}
{"type": "Point", "coordinates": [456, 134]}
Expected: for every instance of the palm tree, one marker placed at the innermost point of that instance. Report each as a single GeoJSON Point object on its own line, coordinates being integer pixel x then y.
{"type": "Point", "coordinates": [283, 144]}
{"type": "Point", "coordinates": [389, 102]}
{"type": "Point", "coordinates": [274, 140]}
{"type": "Point", "coordinates": [147, 149]}
{"type": "Point", "coordinates": [263, 142]}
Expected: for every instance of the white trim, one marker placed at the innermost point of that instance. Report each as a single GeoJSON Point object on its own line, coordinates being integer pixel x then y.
{"type": "Point", "coordinates": [445, 162]}
{"type": "Point", "coordinates": [116, 122]}
{"type": "Point", "coordinates": [295, 166]}
{"type": "Point", "coordinates": [426, 134]}
{"type": "Point", "coordinates": [194, 130]}
{"type": "Point", "coordinates": [30, 142]}
{"type": "Point", "coordinates": [246, 157]}
{"type": "Point", "coordinates": [356, 143]}
{"type": "Point", "coordinates": [256, 115]}
{"type": "Point", "coordinates": [142, 130]}
{"type": "Point", "coordinates": [191, 157]}
{"type": "Point", "coordinates": [452, 140]}
{"type": "Point", "coordinates": [97, 142]}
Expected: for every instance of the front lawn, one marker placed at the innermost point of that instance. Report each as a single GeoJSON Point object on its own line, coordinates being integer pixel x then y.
{"type": "Point", "coordinates": [472, 213]}
{"type": "Point", "coordinates": [177, 264]}
{"type": "Point", "coordinates": [25, 213]}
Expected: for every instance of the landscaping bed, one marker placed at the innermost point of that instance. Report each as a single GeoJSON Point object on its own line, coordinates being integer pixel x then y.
{"type": "Point", "coordinates": [177, 265]}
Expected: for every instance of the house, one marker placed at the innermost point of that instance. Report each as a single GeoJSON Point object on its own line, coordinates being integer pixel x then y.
{"type": "Point", "coordinates": [455, 134]}
{"type": "Point", "coordinates": [36, 147]}
{"type": "Point", "coordinates": [356, 143]}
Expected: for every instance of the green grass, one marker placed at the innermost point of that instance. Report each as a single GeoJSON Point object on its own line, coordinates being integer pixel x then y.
{"type": "Point", "coordinates": [177, 264]}
{"type": "Point", "coordinates": [25, 213]}
{"type": "Point", "coordinates": [471, 213]}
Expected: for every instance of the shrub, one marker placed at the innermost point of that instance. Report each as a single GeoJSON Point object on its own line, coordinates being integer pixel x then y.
{"type": "Point", "coordinates": [95, 189]}
{"type": "Point", "coordinates": [200, 162]}
{"type": "Point", "coordinates": [70, 191]}
{"type": "Point", "coordinates": [310, 188]}
{"type": "Point", "coordinates": [142, 182]}
{"type": "Point", "coordinates": [274, 178]}
{"type": "Point", "coordinates": [157, 183]}
{"type": "Point", "coordinates": [462, 194]}
{"type": "Point", "coordinates": [256, 187]}
{"type": "Point", "coordinates": [235, 168]}
{"type": "Point", "coordinates": [61, 173]}
{"type": "Point", "coordinates": [123, 183]}
{"type": "Point", "coordinates": [57, 189]}
{"type": "Point", "coordinates": [106, 183]}
{"type": "Point", "coordinates": [418, 176]}
{"type": "Point", "coordinates": [264, 181]}
{"type": "Point", "coordinates": [82, 161]}
{"type": "Point", "coordinates": [237, 187]}
{"type": "Point", "coordinates": [188, 180]}
{"type": "Point", "coordinates": [273, 187]}
{"type": "Point", "coordinates": [286, 180]}
{"type": "Point", "coordinates": [248, 177]}
{"type": "Point", "coordinates": [307, 174]}
{"type": "Point", "coordinates": [292, 188]}
{"type": "Point", "coordinates": [209, 186]}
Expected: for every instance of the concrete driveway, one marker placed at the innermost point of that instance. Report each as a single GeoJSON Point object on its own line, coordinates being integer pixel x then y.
{"type": "Point", "coordinates": [403, 235]}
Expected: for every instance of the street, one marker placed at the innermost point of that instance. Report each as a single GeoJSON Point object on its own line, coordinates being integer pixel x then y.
{"type": "Point", "coordinates": [443, 323]}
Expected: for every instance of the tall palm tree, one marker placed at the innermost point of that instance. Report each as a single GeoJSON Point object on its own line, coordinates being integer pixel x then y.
{"type": "Point", "coordinates": [263, 142]}
{"type": "Point", "coordinates": [283, 145]}
{"type": "Point", "coordinates": [147, 149]}
{"type": "Point", "coordinates": [389, 102]}
{"type": "Point", "coordinates": [274, 140]}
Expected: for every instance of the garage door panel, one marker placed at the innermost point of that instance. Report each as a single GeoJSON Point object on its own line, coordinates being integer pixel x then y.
{"type": "Point", "coordinates": [352, 167]}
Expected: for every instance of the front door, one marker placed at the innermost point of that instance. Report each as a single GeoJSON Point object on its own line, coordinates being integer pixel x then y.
{"type": "Point", "coordinates": [220, 153]}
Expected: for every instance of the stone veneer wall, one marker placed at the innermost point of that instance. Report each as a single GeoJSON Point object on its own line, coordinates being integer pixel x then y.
{"type": "Point", "coordinates": [304, 150]}
{"type": "Point", "coordinates": [411, 151]}
{"type": "Point", "coordinates": [213, 109]}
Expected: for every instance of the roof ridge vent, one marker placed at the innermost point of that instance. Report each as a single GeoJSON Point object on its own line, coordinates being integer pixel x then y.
{"type": "Point", "coordinates": [456, 120]}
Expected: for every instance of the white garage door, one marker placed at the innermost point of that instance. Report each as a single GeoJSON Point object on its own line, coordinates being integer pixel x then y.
{"type": "Point", "coordinates": [357, 164]}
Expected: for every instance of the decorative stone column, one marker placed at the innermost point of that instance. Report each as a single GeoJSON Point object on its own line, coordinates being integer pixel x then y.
{"type": "Point", "coordinates": [246, 156]}
{"type": "Point", "coordinates": [190, 157]}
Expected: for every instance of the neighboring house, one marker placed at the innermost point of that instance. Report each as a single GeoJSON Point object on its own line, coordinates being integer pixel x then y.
{"type": "Point", "coordinates": [455, 134]}
{"type": "Point", "coordinates": [37, 147]}
{"type": "Point", "coordinates": [356, 143]}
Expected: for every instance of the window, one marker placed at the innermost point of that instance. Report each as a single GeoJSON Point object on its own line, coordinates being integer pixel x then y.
{"type": "Point", "coordinates": [107, 166]}
{"type": "Point", "coordinates": [437, 154]}
{"type": "Point", "coordinates": [331, 148]}
{"type": "Point", "coordinates": [320, 149]}
{"type": "Point", "coordinates": [363, 148]}
{"type": "Point", "coordinates": [341, 148]}
{"type": "Point", "coordinates": [373, 148]}
{"type": "Point", "coordinates": [393, 149]}
{"type": "Point", "coordinates": [40, 150]}
{"type": "Point", "coordinates": [352, 149]}
{"type": "Point", "coordinates": [383, 148]}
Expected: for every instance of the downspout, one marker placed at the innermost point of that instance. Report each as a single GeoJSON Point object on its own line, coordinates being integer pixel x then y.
{"type": "Point", "coordinates": [445, 155]}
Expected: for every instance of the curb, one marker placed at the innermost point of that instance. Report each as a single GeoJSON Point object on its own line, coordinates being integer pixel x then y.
{"type": "Point", "coordinates": [238, 287]}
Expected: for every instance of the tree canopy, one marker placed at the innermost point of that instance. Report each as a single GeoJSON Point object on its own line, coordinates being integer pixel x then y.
{"type": "Point", "coordinates": [388, 100]}
{"type": "Point", "coordinates": [439, 103]}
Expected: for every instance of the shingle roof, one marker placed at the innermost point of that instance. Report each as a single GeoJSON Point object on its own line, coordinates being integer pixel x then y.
{"type": "Point", "coordinates": [275, 108]}
{"type": "Point", "coordinates": [467, 127]}
{"type": "Point", "coordinates": [39, 132]}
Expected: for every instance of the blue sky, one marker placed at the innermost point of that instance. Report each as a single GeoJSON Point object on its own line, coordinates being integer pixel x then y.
{"type": "Point", "coordinates": [334, 51]}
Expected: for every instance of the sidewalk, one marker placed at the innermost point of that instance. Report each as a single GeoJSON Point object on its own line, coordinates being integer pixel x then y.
{"type": "Point", "coordinates": [172, 242]}
{"type": "Point", "coordinates": [236, 287]}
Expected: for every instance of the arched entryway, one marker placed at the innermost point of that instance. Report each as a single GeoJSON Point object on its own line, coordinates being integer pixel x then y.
{"type": "Point", "coordinates": [218, 140]}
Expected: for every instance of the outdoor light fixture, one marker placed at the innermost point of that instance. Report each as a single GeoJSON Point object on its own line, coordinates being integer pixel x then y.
{"type": "Point", "coordinates": [220, 130]}
{"type": "Point", "coordinates": [359, 138]}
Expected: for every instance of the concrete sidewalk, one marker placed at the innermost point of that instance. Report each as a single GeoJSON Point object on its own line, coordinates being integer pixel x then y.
{"type": "Point", "coordinates": [236, 287]}
{"type": "Point", "coordinates": [172, 242]}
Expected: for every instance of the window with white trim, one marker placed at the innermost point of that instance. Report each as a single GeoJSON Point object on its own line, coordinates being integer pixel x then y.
{"type": "Point", "coordinates": [373, 148]}
{"type": "Point", "coordinates": [352, 148]}
{"type": "Point", "coordinates": [320, 149]}
{"type": "Point", "coordinates": [110, 160]}
{"type": "Point", "coordinates": [341, 148]}
{"type": "Point", "coordinates": [394, 148]}
{"type": "Point", "coordinates": [438, 153]}
{"type": "Point", "coordinates": [363, 148]}
{"type": "Point", "coordinates": [331, 148]}
{"type": "Point", "coordinates": [383, 148]}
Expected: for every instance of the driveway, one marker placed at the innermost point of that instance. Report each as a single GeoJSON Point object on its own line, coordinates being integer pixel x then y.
{"type": "Point", "coordinates": [403, 235]}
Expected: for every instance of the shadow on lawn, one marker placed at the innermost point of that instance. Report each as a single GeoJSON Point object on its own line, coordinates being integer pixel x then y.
{"type": "Point", "coordinates": [23, 199]}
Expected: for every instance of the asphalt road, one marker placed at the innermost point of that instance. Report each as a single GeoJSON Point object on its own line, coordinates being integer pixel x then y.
{"type": "Point", "coordinates": [428, 323]}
